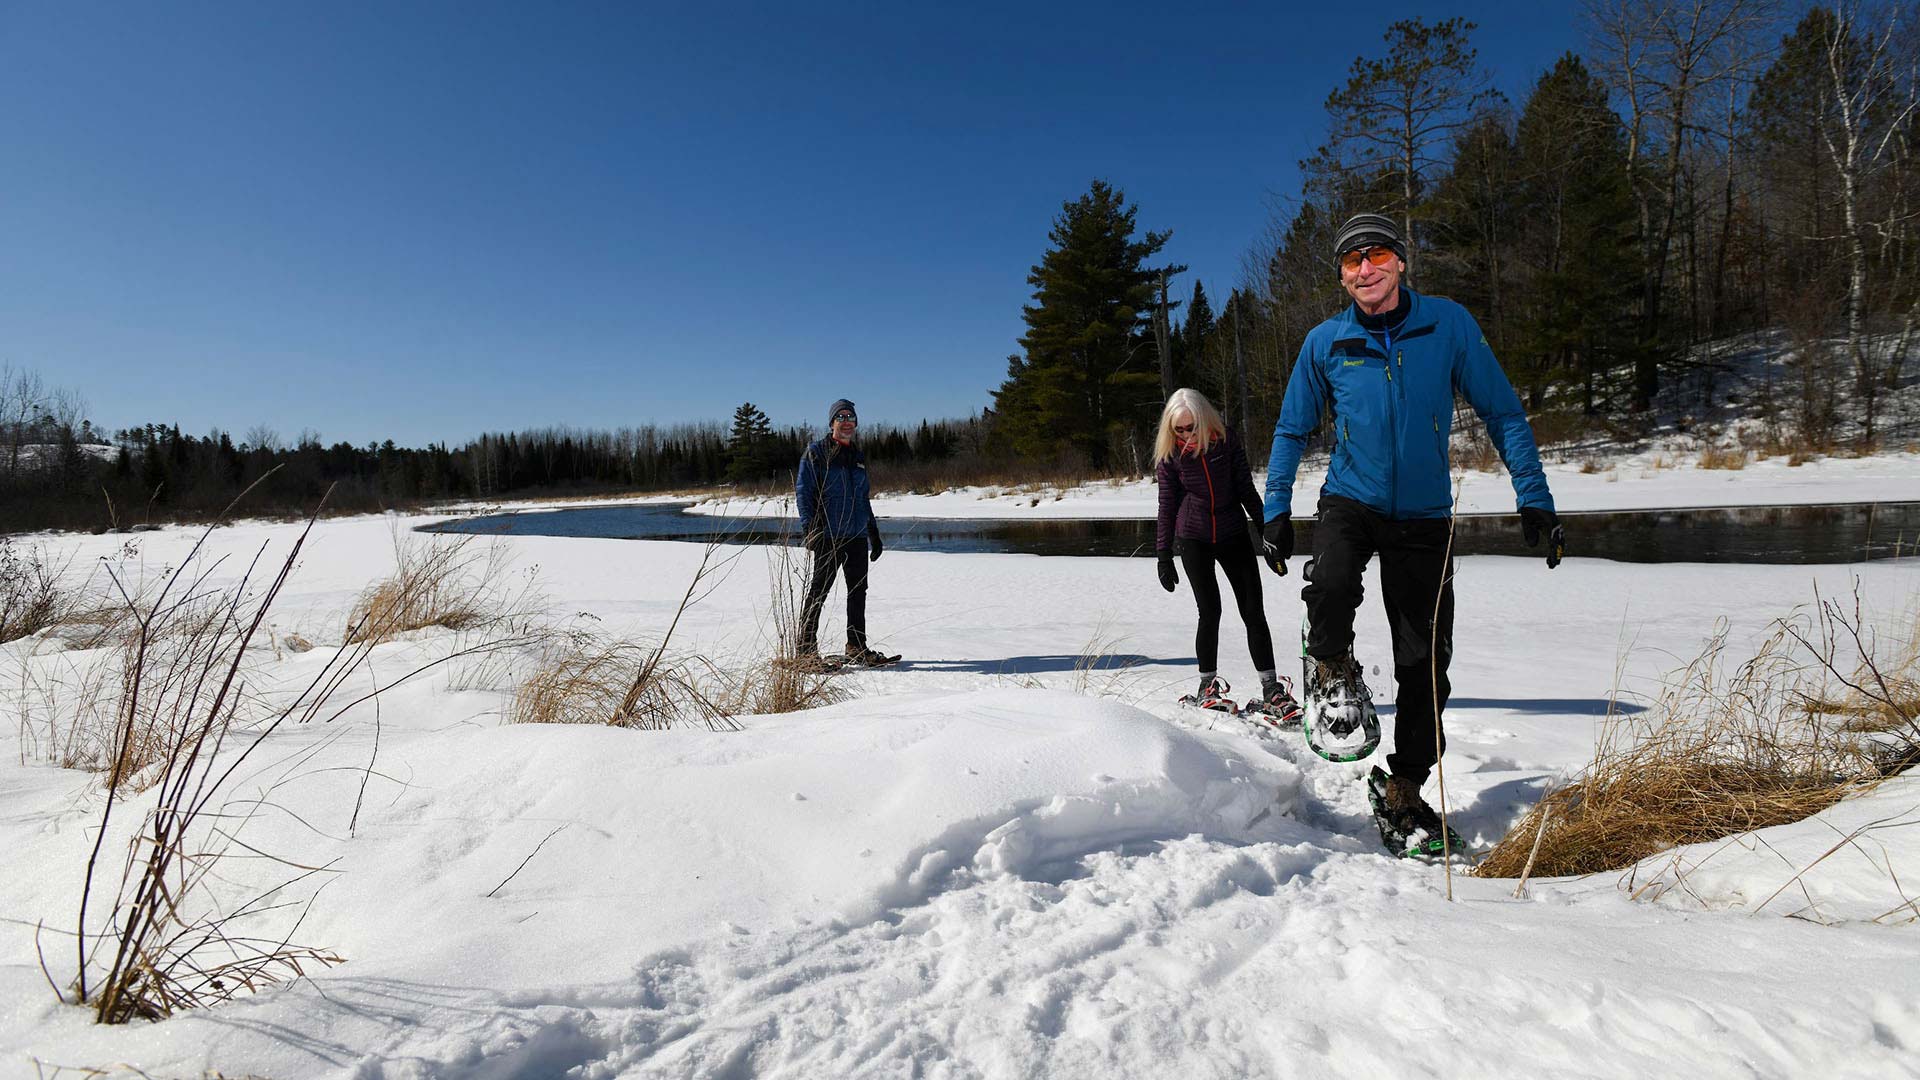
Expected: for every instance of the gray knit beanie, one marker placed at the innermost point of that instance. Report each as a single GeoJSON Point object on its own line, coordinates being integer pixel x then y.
{"type": "Point", "coordinates": [1370, 230]}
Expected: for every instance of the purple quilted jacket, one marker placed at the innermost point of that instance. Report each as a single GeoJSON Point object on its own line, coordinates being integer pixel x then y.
{"type": "Point", "coordinates": [1206, 496]}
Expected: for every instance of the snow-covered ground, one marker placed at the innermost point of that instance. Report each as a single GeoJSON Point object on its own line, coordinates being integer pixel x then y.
{"type": "Point", "coordinates": [991, 862]}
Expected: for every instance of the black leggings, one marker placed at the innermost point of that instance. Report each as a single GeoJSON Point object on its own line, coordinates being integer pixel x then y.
{"type": "Point", "coordinates": [1234, 556]}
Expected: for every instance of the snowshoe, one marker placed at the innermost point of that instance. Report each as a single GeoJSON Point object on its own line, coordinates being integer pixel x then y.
{"type": "Point", "coordinates": [1412, 830]}
{"type": "Point", "coordinates": [1212, 695]}
{"type": "Point", "coordinates": [1276, 705]}
{"type": "Point", "coordinates": [1336, 708]}
{"type": "Point", "coordinates": [865, 657]}
{"type": "Point", "coordinates": [811, 663]}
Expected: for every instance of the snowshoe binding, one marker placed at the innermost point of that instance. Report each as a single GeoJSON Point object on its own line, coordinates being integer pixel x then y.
{"type": "Point", "coordinates": [1408, 826]}
{"type": "Point", "coordinates": [862, 656]}
{"type": "Point", "coordinates": [1276, 705]}
{"type": "Point", "coordinates": [1336, 708]}
{"type": "Point", "coordinates": [1212, 695]}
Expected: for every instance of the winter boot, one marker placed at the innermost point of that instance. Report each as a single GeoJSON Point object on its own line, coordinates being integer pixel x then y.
{"type": "Point", "coordinates": [1212, 695]}
{"type": "Point", "coordinates": [1408, 824]}
{"type": "Point", "coordinates": [863, 656]}
{"type": "Point", "coordinates": [1276, 702]}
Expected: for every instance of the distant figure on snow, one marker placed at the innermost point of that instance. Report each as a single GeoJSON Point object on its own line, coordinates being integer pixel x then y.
{"type": "Point", "coordinates": [1389, 365]}
{"type": "Point", "coordinates": [836, 519]}
{"type": "Point", "coordinates": [1210, 511]}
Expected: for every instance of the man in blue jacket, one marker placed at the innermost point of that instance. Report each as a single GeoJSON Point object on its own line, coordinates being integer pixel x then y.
{"type": "Point", "coordinates": [1388, 366]}
{"type": "Point", "coordinates": [836, 519]}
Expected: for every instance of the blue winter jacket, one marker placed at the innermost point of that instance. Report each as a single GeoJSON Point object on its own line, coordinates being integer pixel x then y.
{"type": "Point", "coordinates": [831, 491]}
{"type": "Point", "coordinates": [1392, 397]}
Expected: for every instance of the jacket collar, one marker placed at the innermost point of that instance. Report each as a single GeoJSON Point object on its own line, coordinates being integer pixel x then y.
{"type": "Point", "coordinates": [1421, 319]}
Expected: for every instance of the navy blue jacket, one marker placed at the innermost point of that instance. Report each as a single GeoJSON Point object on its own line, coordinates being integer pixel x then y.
{"type": "Point", "coordinates": [1392, 399]}
{"type": "Point", "coordinates": [831, 491]}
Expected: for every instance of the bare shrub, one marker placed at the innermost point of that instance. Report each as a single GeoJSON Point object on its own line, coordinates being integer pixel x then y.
{"type": "Point", "coordinates": [1873, 676]}
{"type": "Point", "coordinates": [31, 595]}
{"type": "Point", "coordinates": [183, 726]}
{"type": "Point", "coordinates": [1721, 457]}
{"type": "Point", "coordinates": [1473, 450]}
{"type": "Point", "coordinates": [1727, 752]}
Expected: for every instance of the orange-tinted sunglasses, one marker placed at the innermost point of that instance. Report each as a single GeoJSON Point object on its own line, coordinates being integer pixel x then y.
{"type": "Point", "coordinates": [1378, 256]}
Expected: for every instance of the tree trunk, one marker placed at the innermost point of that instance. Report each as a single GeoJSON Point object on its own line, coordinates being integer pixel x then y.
{"type": "Point", "coordinates": [1163, 337]}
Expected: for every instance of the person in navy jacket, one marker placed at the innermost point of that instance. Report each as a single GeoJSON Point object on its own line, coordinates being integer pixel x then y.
{"type": "Point", "coordinates": [836, 519]}
{"type": "Point", "coordinates": [1210, 511]}
{"type": "Point", "coordinates": [1388, 367]}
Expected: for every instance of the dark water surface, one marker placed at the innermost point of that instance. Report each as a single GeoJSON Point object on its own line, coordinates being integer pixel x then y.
{"type": "Point", "coordinates": [1831, 533]}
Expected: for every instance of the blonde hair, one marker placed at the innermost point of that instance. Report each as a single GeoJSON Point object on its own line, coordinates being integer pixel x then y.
{"type": "Point", "coordinates": [1207, 425]}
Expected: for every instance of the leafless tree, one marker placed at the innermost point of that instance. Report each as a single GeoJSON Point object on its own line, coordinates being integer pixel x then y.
{"type": "Point", "coordinates": [1664, 59]}
{"type": "Point", "coordinates": [1868, 101]}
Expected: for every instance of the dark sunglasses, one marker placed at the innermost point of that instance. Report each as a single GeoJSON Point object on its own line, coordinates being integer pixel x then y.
{"type": "Point", "coordinates": [845, 417]}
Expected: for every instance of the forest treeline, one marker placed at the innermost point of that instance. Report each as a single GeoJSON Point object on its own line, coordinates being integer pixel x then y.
{"type": "Point", "coordinates": [1707, 168]}
{"type": "Point", "coordinates": [1704, 169]}
{"type": "Point", "coordinates": [58, 471]}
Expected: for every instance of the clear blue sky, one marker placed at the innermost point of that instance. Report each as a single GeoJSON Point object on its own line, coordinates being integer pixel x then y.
{"type": "Point", "coordinates": [421, 221]}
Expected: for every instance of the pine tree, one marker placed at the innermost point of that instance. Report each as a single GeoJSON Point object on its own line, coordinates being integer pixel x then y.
{"type": "Point", "coordinates": [1397, 113]}
{"type": "Point", "coordinates": [749, 444]}
{"type": "Point", "coordinates": [1087, 381]}
{"type": "Point", "coordinates": [1575, 237]}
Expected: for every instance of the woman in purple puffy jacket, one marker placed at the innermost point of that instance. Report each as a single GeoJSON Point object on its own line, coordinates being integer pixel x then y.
{"type": "Point", "coordinates": [1210, 512]}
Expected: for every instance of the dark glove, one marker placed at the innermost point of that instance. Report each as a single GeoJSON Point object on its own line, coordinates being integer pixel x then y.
{"type": "Point", "coordinates": [874, 546]}
{"type": "Point", "coordinates": [1169, 579]}
{"type": "Point", "coordinates": [1535, 521]}
{"type": "Point", "coordinates": [1276, 543]}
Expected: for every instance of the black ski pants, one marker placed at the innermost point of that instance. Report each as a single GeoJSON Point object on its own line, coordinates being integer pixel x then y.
{"type": "Point", "coordinates": [849, 557]}
{"type": "Point", "coordinates": [1234, 556]}
{"type": "Point", "coordinates": [1415, 572]}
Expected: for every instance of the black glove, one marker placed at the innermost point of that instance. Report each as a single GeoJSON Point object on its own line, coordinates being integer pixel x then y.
{"type": "Point", "coordinates": [1169, 579]}
{"type": "Point", "coordinates": [1276, 543]}
{"type": "Point", "coordinates": [874, 546]}
{"type": "Point", "coordinates": [1535, 521]}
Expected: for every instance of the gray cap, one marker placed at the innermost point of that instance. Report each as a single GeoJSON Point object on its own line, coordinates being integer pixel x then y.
{"type": "Point", "coordinates": [1370, 230]}
{"type": "Point", "coordinates": [843, 405]}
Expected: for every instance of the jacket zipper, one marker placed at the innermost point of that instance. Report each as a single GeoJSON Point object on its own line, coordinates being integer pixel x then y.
{"type": "Point", "coordinates": [1213, 519]}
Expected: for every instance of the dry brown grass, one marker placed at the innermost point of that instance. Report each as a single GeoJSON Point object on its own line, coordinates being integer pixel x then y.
{"type": "Point", "coordinates": [1722, 753]}
{"type": "Point", "coordinates": [1722, 457]}
{"type": "Point", "coordinates": [437, 581]}
{"type": "Point", "coordinates": [586, 679]}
